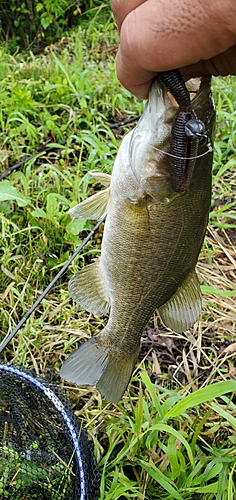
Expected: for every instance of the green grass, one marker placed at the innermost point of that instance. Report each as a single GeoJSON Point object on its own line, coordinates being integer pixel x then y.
{"type": "Point", "coordinates": [165, 445]}
{"type": "Point", "coordinates": [173, 434]}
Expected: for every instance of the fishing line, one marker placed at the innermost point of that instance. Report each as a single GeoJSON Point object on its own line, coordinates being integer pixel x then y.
{"type": "Point", "coordinates": [41, 297]}
{"type": "Point", "coordinates": [209, 150]}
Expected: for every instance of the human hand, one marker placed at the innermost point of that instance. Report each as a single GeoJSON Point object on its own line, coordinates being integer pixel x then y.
{"type": "Point", "coordinates": [199, 37]}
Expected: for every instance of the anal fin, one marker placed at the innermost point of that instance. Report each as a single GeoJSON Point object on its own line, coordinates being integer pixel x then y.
{"type": "Point", "coordinates": [183, 309]}
{"type": "Point", "coordinates": [87, 288]}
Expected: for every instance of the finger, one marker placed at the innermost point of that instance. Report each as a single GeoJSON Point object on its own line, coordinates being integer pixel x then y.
{"type": "Point", "coordinates": [223, 64]}
{"type": "Point", "coordinates": [121, 9]}
{"type": "Point", "coordinates": [161, 35]}
{"type": "Point", "coordinates": [135, 79]}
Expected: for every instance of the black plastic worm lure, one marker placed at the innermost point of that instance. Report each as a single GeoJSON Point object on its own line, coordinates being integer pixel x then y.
{"type": "Point", "coordinates": [186, 132]}
{"type": "Point", "coordinates": [184, 150]}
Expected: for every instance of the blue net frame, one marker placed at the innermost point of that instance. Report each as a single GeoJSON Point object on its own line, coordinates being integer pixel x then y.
{"type": "Point", "coordinates": [43, 397]}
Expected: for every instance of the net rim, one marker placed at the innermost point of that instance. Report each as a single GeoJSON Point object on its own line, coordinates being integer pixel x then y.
{"type": "Point", "coordinates": [60, 407]}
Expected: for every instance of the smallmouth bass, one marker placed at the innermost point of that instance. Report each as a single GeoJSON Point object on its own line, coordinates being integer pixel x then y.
{"type": "Point", "coordinates": [151, 242]}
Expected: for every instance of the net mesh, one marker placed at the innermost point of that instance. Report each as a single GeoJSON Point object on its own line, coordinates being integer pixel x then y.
{"type": "Point", "coordinates": [44, 453]}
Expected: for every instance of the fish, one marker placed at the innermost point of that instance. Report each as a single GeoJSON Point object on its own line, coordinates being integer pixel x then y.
{"type": "Point", "coordinates": [151, 241]}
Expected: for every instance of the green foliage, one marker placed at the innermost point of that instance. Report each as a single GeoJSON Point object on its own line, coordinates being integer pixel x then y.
{"type": "Point", "coordinates": [161, 445]}
{"type": "Point", "coordinates": [36, 23]}
{"type": "Point", "coordinates": [10, 193]}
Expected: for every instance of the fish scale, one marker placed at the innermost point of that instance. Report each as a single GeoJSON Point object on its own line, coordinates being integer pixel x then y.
{"type": "Point", "coordinates": [151, 242]}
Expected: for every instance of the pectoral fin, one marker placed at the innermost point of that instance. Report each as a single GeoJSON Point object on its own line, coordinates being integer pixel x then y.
{"type": "Point", "coordinates": [95, 207]}
{"type": "Point", "coordinates": [182, 310]}
{"type": "Point", "coordinates": [102, 177]}
{"type": "Point", "coordinates": [88, 290]}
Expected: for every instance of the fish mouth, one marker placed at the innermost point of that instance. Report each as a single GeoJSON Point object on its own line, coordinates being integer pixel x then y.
{"type": "Point", "coordinates": [199, 90]}
{"type": "Point", "coordinates": [200, 94]}
{"type": "Point", "coordinates": [161, 99]}
{"type": "Point", "coordinates": [190, 131]}
{"type": "Point", "coordinates": [150, 145]}
{"type": "Point", "coordinates": [202, 103]}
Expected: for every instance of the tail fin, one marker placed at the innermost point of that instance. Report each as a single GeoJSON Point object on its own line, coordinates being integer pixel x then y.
{"type": "Point", "coordinates": [94, 364]}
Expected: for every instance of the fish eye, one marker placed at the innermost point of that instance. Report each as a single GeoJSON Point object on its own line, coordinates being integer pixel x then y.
{"type": "Point", "coordinates": [195, 128]}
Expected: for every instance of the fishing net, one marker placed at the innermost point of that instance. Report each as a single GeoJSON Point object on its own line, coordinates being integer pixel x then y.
{"type": "Point", "coordinates": [44, 453]}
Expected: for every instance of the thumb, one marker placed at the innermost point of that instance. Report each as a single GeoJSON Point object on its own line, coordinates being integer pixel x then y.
{"type": "Point", "coordinates": [164, 34]}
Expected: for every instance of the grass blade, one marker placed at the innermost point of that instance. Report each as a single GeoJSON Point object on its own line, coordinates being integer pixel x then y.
{"type": "Point", "coordinates": [201, 396]}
